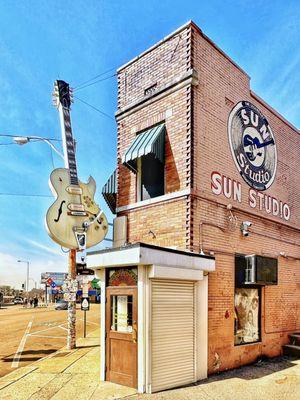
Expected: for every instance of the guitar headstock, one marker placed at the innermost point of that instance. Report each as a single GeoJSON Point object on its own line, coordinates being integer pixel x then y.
{"type": "Point", "coordinates": [62, 94]}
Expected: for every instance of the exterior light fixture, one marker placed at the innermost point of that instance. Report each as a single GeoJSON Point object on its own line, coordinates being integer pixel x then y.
{"type": "Point", "coordinates": [244, 228]}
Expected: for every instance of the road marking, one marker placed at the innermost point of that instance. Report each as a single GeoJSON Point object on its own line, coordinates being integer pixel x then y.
{"type": "Point", "coordinates": [55, 337]}
{"type": "Point", "coordinates": [18, 354]}
{"type": "Point", "coordinates": [62, 327]}
{"type": "Point", "coordinates": [43, 330]}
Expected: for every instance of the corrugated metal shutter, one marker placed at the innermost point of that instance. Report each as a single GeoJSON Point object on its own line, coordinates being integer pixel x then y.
{"type": "Point", "coordinates": [172, 334]}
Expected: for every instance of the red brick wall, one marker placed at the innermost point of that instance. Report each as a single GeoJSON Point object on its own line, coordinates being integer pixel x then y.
{"type": "Point", "coordinates": [221, 86]}
{"type": "Point", "coordinates": [162, 65]}
{"type": "Point", "coordinates": [197, 144]}
{"type": "Point", "coordinates": [159, 67]}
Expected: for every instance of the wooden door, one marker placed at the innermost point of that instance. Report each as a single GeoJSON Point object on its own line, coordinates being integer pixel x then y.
{"type": "Point", "coordinates": [121, 335]}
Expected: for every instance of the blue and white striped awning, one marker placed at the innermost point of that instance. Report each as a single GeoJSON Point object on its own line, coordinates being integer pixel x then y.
{"type": "Point", "coordinates": [150, 141]}
{"type": "Point", "coordinates": [109, 192]}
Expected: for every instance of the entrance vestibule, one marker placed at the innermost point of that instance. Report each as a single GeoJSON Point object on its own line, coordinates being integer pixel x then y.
{"type": "Point", "coordinates": [154, 315]}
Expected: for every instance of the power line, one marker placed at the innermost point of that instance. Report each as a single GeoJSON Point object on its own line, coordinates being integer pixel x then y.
{"type": "Point", "coordinates": [25, 195]}
{"type": "Point", "coordinates": [93, 83]}
{"type": "Point", "coordinates": [94, 108]}
{"type": "Point", "coordinates": [95, 77]}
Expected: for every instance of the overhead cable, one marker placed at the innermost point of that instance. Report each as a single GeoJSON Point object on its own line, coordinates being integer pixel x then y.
{"type": "Point", "coordinates": [94, 108]}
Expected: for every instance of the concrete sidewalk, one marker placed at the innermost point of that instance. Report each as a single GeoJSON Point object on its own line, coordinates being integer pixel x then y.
{"type": "Point", "coordinates": [74, 374]}
{"type": "Point", "coordinates": [274, 379]}
{"type": "Point", "coordinates": [63, 375]}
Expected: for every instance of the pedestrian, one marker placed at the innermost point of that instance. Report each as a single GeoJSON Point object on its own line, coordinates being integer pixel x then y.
{"type": "Point", "coordinates": [25, 303]}
{"type": "Point", "coordinates": [31, 302]}
{"type": "Point", "coordinates": [35, 301]}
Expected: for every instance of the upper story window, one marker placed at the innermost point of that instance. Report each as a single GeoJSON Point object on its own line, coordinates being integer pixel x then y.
{"type": "Point", "coordinates": [151, 177]}
{"type": "Point", "coordinates": [146, 158]}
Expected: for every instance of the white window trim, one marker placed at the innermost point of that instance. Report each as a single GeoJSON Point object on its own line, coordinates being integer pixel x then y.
{"type": "Point", "coordinates": [154, 200]}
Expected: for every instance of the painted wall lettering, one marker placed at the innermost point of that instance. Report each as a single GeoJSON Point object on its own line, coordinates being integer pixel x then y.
{"type": "Point", "coordinates": [232, 189]}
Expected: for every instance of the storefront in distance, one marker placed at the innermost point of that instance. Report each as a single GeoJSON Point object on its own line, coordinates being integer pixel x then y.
{"type": "Point", "coordinates": [207, 230]}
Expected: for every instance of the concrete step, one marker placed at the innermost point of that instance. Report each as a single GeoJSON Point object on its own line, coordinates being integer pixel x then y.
{"type": "Point", "coordinates": [294, 337]}
{"type": "Point", "coordinates": [291, 350]}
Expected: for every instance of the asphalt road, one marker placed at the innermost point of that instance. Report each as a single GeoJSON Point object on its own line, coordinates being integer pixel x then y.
{"type": "Point", "coordinates": [27, 335]}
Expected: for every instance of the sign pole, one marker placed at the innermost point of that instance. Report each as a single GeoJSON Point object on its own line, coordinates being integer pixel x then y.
{"type": "Point", "coordinates": [84, 332]}
{"type": "Point", "coordinates": [71, 338]}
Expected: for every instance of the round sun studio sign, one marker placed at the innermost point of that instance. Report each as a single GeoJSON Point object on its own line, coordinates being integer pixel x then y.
{"type": "Point", "coordinates": [252, 145]}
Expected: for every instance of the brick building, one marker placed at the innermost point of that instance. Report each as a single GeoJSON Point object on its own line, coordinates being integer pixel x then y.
{"type": "Point", "coordinates": [208, 170]}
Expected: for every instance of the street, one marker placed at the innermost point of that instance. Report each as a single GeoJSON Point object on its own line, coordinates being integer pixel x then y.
{"type": "Point", "coordinates": [28, 334]}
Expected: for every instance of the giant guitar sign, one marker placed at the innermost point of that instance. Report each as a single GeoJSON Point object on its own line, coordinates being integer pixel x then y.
{"type": "Point", "coordinates": [74, 220]}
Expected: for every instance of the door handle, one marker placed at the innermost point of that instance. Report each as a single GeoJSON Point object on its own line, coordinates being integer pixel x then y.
{"type": "Point", "coordinates": [134, 332]}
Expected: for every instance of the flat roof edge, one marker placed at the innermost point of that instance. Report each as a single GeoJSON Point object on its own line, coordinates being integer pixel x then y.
{"type": "Point", "coordinates": [178, 30]}
{"type": "Point", "coordinates": [150, 246]}
{"type": "Point", "coordinates": [168, 37]}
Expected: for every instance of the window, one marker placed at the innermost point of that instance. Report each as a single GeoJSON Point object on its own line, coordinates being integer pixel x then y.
{"type": "Point", "coordinates": [121, 313]}
{"type": "Point", "coordinates": [247, 316]}
{"type": "Point", "coordinates": [246, 306]}
{"type": "Point", "coordinates": [151, 177]}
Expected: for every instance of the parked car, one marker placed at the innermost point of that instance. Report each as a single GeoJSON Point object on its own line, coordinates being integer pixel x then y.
{"type": "Point", "coordinates": [61, 305]}
{"type": "Point", "coordinates": [18, 300]}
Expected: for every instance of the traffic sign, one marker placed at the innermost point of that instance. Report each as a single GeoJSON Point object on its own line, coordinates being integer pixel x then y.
{"type": "Point", "coordinates": [85, 304]}
{"type": "Point", "coordinates": [81, 269]}
{"type": "Point", "coordinates": [53, 284]}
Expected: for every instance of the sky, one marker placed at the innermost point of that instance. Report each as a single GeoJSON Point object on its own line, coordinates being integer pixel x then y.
{"type": "Point", "coordinates": [76, 40]}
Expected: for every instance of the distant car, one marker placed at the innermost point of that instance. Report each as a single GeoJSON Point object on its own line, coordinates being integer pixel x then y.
{"type": "Point", "coordinates": [61, 305]}
{"type": "Point", "coordinates": [18, 300]}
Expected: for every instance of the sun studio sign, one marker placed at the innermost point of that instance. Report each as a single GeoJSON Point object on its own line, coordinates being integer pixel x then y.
{"type": "Point", "coordinates": [254, 152]}
{"type": "Point", "coordinates": [252, 145]}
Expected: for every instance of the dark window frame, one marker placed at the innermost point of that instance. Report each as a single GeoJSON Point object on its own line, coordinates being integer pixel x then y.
{"type": "Point", "coordinates": [139, 179]}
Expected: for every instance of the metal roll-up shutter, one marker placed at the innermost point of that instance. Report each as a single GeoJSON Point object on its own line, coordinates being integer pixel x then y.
{"type": "Point", "coordinates": [172, 335]}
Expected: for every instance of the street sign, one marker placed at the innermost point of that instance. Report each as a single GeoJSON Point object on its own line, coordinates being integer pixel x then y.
{"type": "Point", "coordinates": [85, 304]}
{"type": "Point", "coordinates": [82, 270]}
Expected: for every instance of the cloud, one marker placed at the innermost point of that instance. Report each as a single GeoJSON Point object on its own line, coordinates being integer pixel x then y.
{"type": "Point", "coordinates": [14, 274]}
{"type": "Point", "coordinates": [44, 247]}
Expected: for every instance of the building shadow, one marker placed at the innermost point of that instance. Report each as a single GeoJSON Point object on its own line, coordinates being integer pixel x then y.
{"type": "Point", "coordinates": [38, 354]}
{"type": "Point", "coordinates": [261, 368]}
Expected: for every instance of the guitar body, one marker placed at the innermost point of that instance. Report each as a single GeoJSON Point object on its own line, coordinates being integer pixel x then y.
{"type": "Point", "coordinates": [60, 219]}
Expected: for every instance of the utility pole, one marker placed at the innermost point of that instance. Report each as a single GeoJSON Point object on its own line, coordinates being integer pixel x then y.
{"type": "Point", "coordinates": [71, 339]}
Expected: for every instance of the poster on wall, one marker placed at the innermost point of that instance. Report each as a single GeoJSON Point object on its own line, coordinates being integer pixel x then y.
{"type": "Point", "coordinates": [247, 311]}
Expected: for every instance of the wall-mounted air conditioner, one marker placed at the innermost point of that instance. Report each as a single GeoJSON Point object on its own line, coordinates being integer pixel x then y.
{"type": "Point", "coordinates": [255, 270]}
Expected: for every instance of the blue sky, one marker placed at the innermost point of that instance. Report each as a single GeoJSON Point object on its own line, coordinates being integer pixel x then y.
{"type": "Point", "coordinates": [75, 40]}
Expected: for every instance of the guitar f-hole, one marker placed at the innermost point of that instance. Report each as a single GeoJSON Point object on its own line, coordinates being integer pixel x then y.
{"type": "Point", "coordinates": [59, 211]}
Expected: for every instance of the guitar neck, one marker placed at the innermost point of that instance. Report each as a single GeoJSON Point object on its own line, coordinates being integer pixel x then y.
{"type": "Point", "coordinates": [68, 144]}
